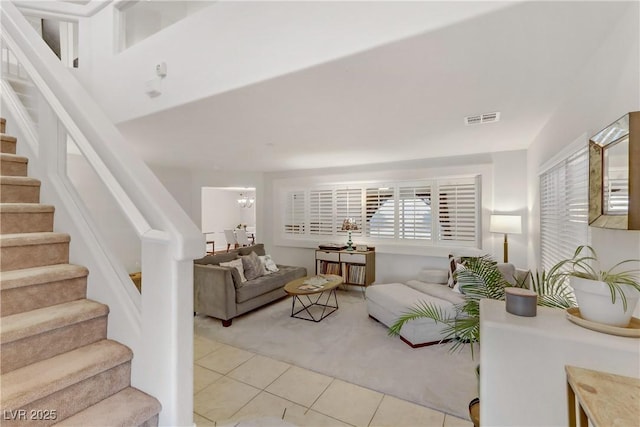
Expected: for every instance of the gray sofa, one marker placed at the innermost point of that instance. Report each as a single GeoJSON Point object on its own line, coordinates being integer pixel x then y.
{"type": "Point", "coordinates": [218, 291]}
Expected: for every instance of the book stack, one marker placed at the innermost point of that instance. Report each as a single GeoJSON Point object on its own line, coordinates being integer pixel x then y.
{"type": "Point", "coordinates": [327, 267]}
{"type": "Point", "coordinates": [356, 274]}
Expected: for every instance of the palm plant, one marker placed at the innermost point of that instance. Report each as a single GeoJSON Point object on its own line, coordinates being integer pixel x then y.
{"type": "Point", "coordinates": [480, 279]}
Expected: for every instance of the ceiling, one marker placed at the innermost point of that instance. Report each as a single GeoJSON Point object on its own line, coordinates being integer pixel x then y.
{"type": "Point", "coordinates": [400, 101]}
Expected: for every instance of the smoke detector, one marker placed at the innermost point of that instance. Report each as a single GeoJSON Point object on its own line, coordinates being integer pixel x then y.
{"type": "Point", "coordinates": [482, 118]}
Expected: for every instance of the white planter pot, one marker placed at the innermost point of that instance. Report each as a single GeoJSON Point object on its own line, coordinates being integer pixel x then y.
{"type": "Point", "coordinates": [594, 301]}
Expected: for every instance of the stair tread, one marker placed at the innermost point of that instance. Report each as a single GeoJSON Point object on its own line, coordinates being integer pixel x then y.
{"type": "Point", "coordinates": [7, 157]}
{"type": "Point", "coordinates": [38, 275]}
{"type": "Point", "coordinates": [25, 208]}
{"type": "Point", "coordinates": [40, 379]}
{"type": "Point", "coordinates": [22, 325]}
{"type": "Point", "coordinates": [19, 180]}
{"type": "Point", "coordinates": [39, 238]}
{"type": "Point", "coordinates": [6, 137]}
{"type": "Point", "coordinates": [128, 407]}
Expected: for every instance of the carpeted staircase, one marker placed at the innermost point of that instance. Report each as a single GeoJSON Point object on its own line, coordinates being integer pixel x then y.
{"type": "Point", "coordinates": [57, 366]}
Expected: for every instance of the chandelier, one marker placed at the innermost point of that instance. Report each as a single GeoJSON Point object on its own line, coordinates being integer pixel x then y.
{"type": "Point", "coordinates": [245, 202]}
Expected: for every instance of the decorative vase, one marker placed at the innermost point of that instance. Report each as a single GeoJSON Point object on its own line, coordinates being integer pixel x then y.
{"type": "Point", "coordinates": [594, 302]}
{"type": "Point", "coordinates": [349, 242]}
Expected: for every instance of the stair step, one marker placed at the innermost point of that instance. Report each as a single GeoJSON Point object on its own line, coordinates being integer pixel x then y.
{"type": "Point", "coordinates": [67, 383]}
{"type": "Point", "coordinates": [13, 165]}
{"type": "Point", "coordinates": [19, 189]}
{"type": "Point", "coordinates": [25, 250]}
{"type": "Point", "coordinates": [36, 335]}
{"type": "Point", "coordinates": [25, 218]}
{"type": "Point", "coordinates": [39, 287]}
{"type": "Point", "coordinates": [8, 144]}
{"type": "Point", "coordinates": [3, 125]}
{"type": "Point", "coordinates": [129, 407]}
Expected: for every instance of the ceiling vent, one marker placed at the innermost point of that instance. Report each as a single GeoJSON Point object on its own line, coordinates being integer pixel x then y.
{"type": "Point", "coordinates": [482, 118]}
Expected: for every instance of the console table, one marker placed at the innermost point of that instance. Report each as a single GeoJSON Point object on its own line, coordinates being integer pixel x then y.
{"type": "Point", "coordinates": [523, 359]}
{"type": "Point", "coordinates": [603, 399]}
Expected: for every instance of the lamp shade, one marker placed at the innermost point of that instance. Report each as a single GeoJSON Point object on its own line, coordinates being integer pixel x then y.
{"type": "Point", "coordinates": [507, 224]}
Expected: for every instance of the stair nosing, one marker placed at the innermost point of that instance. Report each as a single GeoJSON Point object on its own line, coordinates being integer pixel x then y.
{"type": "Point", "coordinates": [24, 181]}
{"type": "Point", "coordinates": [25, 385]}
{"type": "Point", "coordinates": [32, 276]}
{"type": "Point", "coordinates": [15, 158]}
{"type": "Point", "coordinates": [150, 406]}
{"type": "Point", "coordinates": [32, 239]}
{"type": "Point", "coordinates": [29, 323]}
{"type": "Point", "coordinates": [21, 207]}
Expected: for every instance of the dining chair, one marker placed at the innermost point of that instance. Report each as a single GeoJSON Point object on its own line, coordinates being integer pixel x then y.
{"type": "Point", "coordinates": [241, 235]}
{"type": "Point", "coordinates": [230, 237]}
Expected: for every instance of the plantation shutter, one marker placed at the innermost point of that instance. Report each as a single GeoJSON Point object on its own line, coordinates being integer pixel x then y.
{"type": "Point", "coordinates": [414, 212]}
{"type": "Point", "coordinates": [294, 213]}
{"type": "Point", "coordinates": [380, 212]}
{"type": "Point", "coordinates": [564, 206]}
{"type": "Point", "coordinates": [458, 211]}
{"type": "Point", "coordinates": [349, 205]}
{"type": "Point", "coordinates": [321, 212]}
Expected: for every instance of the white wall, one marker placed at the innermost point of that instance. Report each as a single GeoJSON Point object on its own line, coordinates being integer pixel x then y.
{"type": "Point", "coordinates": [402, 263]}
{"type": "Point", "coordinates": [607, 88]}
{"type": "Point", "coordinates": [232, 44]}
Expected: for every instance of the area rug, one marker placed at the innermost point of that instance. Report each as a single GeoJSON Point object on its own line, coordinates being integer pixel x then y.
{"type": "Point", "coordinates": [351, 346]}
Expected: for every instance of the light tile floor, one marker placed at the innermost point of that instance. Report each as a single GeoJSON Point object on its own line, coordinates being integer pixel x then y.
{"type": "Point", "coordinates": [233, 385]}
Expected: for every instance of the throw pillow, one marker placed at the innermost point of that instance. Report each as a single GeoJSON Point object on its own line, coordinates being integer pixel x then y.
{"type": "Point", "coordinates": [453, 265]}
{"type": "Point", "coordinates": [237, 264]}
{"type": "Point", "coordinates": [252, 266]}
{"type": "Point", "coordinates": [270, 264]}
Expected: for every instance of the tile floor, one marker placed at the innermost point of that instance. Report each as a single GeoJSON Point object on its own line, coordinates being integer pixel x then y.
{"type": "Point", "coordinates": [233, 385]}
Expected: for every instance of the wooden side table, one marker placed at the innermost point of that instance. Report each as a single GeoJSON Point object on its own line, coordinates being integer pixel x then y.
{"type": "Point", "coordinates": [603, 399]}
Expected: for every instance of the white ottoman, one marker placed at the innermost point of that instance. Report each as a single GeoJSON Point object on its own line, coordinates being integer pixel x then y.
{"type": "Point", "coordinates": [387, 302]}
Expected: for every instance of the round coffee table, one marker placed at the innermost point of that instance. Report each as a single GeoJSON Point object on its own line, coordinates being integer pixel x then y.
{"type": "Point", "coordinates": [303, 295]}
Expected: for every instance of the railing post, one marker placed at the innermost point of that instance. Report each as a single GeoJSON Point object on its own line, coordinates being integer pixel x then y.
{"type": "Point", "coordinates": [167, 331]}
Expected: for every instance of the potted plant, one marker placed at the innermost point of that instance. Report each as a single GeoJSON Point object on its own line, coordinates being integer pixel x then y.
{"type": "Point", "coordinates": [604, 296]}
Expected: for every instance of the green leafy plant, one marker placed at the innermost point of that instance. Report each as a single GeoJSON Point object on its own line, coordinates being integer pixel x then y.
{"type": "Point", "coordinates": [587, 266]}
{"type": "Point", "coordinates": [480, 279]}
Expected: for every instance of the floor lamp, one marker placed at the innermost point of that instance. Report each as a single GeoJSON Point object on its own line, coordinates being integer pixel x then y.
{"type": "Point", "coordinates": [506, 224]}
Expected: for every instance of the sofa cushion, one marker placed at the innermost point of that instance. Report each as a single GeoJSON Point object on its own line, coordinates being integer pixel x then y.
{"type": "Point", "coordinates": [433, 276]}
{"type": "Point", "coordinates": [508, 271]}
{"type": "Point", "coordinates": [269, 282]}
{"type": "Point", "coordinates": [436, 290]}
{"type": "Point", "coordinates": [217, 258]}
{"type": "Point", "coordinates": [246, 250]}
{"type": "Point", "coordinates": [269, 264]}
{"type": "Point", "coordinates": [238, 274]}
{"type": "Point", "coordinates": [253, 267]}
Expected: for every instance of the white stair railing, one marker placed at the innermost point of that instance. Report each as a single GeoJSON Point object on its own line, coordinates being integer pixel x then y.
{"type": "Point", "coordinates": [158, 323]}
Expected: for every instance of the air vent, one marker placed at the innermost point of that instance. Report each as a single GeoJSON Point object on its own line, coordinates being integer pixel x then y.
{"type": "Point", "coordinates": [482, 118]}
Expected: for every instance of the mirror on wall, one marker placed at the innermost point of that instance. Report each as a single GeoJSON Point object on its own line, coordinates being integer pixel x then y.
{"type": "Point", "coordinates": [614, 175]}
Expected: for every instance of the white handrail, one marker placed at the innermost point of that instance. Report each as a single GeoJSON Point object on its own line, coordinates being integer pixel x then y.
{"type": "Point", "coordinates": [160, 328]}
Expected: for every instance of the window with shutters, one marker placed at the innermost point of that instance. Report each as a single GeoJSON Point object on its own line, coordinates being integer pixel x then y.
{"type": "Point", "coordinates": [321, 218]}
{"type": "Point", "coordinates": [457, 216]}
{"type": "Point", "coordinates": [294, 215]}
{"type": "Point", "coordinates": [381, 212]}
{"type": "Point", "coordinates": [564, 208]}
{"type": "Point", "coordinates": [434, 211]}
{"type": "Point", "coordinates": [349, 207]}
